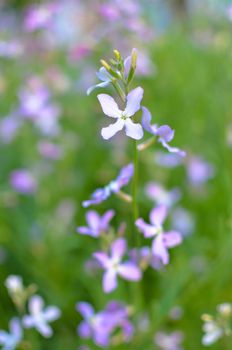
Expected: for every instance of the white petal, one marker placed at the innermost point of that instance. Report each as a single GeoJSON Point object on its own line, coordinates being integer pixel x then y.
{"type": "Point", "coordinates": [133, 130]}
{"type": "Point", "coordinates": [133, 101]}
{"type": "Point", "coordinates": [112, 129]}
{"type": "Point", "coordinates": [109, 106]}
{"type": "Point", "coordinates": [36, 304]}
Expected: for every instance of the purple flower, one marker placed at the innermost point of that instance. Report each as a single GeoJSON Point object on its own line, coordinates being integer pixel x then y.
{"type": "Point", "coordinates": [113, 265]}
{"type": "Point", "coordinates": [101, 194]}
{"type": "Point", "coordinates": [168, 160]}
{"type": "Point", "coordinates": [161, 196]}
{"type": "Point", "coordinates": [11, 340]}
{"type": "Point", "coordinates": [199, 171]}
{"type": "Point", "coordinates": [93, 325]}
{"type": "Point", "coordinates": [163, 240]}
{"type": "Point", "coordinates": [39, 16]}
{"type": "Point", "coordinates": [9, 127]}
{"type": "Point", "coordinates": [23, 181]}
{"type": "Point", "coordinates": [164, 133]}
{"type": "Point", "coordinates": [169, 341]}
{"type": "Point", "coordinates": [96, 224]}
{"type": "Point", "coordinates": [183, 221]}
{"type": "Point", "coordinates": [50, 150]}
{"type": "Point", "coordinates": [39, 317]}
{"type": "Point", "coordinates": [100, 326]}
{"type": "Point", "coordinates": [110, 108]}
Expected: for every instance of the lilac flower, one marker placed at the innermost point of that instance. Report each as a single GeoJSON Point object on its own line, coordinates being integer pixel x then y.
{"type": "Point", "coordinates": [11, 340]}
{"type": "Point", "coordinates": [199, 171]}
{"type": "Point", "coordinates": [144, 66]}
{"type": "Point", "coordinates": [161, 196]}
{"type": "Point", "coordinates": [92, 325]}
{"type": "Point", "coordinates": [40, 317]}
{"type": "Point", "coordinates": [110, 108]}
{"type": "Point", "coordinates": [183, 221]}
{"type": "Point", "coordinates": [163, 240]}
{"type": "Point", "coordinates": [50, 150]}
{"type": "Point", "coordinates": [114, 266]}
{"type": "Point", "coordinates": [39, 16]}
{"type": "Point", "coordinates": [102, 75]}
{"type": "Point", "coordinates": [101, 194]}
{"type": "Point", "coordinates": [10, 49]}
{"type": "Point", "coordinates": [35, 104]}
{"type": "Point", "coordinates": [96, 224]}
{"type": "Point", "coordinates": [164, 133]}
{"type": "Point", "coordinates": [144, 258]}
{"type": "Point", "coordinates": [169, 341]}
{"type": "Point", "coordinates": [23, 181]}
{"type": "Point", "coordinates": [9, 127]}
{"type": "Point", "coordinates": [168, 160]}
{"type": "Point", "coordinates": [100, 326]}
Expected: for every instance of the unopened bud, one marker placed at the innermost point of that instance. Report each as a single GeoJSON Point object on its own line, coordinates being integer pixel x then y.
{"type": "Point", "coordinates": [106, 65]}
{"type": "Point", "coordinates": [117, 55]}
{"type": "Point", "coordinates": [134, 55]}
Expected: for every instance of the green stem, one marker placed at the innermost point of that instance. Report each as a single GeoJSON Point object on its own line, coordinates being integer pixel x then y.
{"type": "Point", "coordinates": [134, 191]}
{"type": "Point", "coordinates": [135, 181]}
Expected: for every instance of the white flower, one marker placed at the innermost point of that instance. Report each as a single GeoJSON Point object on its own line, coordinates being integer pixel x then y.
{"type": "Point", "coordinates": [10, 340]}
{"type": "Point", "coordinates": [123, 118]}
{"type": "Point", "coordinates": [14, 284]}
{"type": "Point", "coordinates": [212, 332]}
{"type": "Point", "coordinates": [40, 317]}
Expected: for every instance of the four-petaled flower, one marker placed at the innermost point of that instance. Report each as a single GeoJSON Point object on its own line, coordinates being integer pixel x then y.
{"type": "Point", "coordinates": [163, 240]}
{"type": "Point", "coordinates": [10, 340]}
{"type": "Point", "coordinates": [92, 325]}
{"type": "Point", "coordinates": [96, 224]}
{"type": "Point", "coordinates": [100, 326]}
{"type": "Point", "coordinates": [40, 317]}
{"type": "Point", "coordinates": [110, 108]}
{"type": "Point", "coordinates": [164, 133]}
{"type": "Point", "coordinates": [101, 194]}
{"type": "Point", "coordinates": [114, 266]}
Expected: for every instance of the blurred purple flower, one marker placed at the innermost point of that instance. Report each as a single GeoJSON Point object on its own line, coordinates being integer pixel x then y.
{"type": "Point", "coordinates": [23, 181]}
{"type": "Point", "coordinates": [169, 341]}
{"type": "Point", "coordinates": [199, 171]}
{"type": "Point", "coordinates": [39, 16]}
{"type": "Point", "coordinates": [11, 340]}
{"type": "Point", "coordinates": [161, 196]}
{"type": "Point", "coordinates": [9, 127]}
{"type": "Point", "coordinates": [164, 133]}
{"type": "Point", "coordinates": [183, 221]}
{"type": "Point", "coordinates": [114, 266]}
{"type": "Point", "coordinates": [109, 11]}
{"type": "Point", "coordinates": [168, 160]}
{"type": "Point", "coordinates": [144, 65]}
{"type": "Point", "coordinates": [50, 150]}
{"type": "Point", "coordinates": [101, 194]}
{"type": "Point", "coordinates": [35, 104]}
{"type": "Point", "coordinates": [96, 224]}
{"type": "Point", "coordinates": [144, 258]}
{"type": "Point", "coordinates": [10, 49]}
{"type": "Point", "coordinates": [163, 240]}
{"type": "Point", "coordinates": [100, 326]}
{"type": "Point", "coordinates": [110, 108]}
{"type": "Point", "coordinates": [39, 317]}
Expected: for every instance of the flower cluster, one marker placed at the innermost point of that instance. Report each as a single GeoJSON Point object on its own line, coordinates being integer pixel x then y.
{"type": "Point", "coordinates": [37, 318]}
{"type": "Point", "coordinates": [118, 256]}
{"type": "Point", "coordinates": [219, 326]}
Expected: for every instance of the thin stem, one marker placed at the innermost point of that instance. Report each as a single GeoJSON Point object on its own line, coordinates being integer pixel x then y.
{"type": "Point", "coordinates": [135, 182]}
